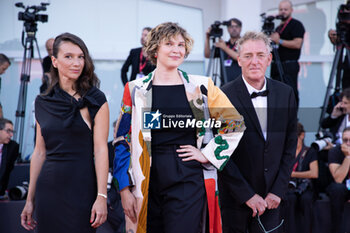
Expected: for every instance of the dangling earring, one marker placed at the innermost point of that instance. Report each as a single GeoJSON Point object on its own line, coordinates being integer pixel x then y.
{"type": "Point", "coordinates": [155, 56]}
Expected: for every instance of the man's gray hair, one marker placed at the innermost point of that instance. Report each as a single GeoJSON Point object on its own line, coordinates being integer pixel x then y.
{"type": "Point", "coordinates": [251, 35]}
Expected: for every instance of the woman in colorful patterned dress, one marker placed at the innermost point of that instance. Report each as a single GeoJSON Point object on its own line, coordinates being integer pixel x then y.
{"type": "Point", "coordinates": [172, 125]}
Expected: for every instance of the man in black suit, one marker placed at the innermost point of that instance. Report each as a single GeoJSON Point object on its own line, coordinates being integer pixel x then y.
{"type": "Point", "coordinates": [140, 66]}
{"type": "Point", "coordinates": [4, 64]}
{"type": "Point", "coordinates": [256, 177]}
{"type": "Point", "coordinates": [339, 119]}
{"type": "Point", "coordinates": [9, 151]}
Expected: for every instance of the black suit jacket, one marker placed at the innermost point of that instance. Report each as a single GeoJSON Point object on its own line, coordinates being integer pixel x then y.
{"type": "Point", "coordinates": [10, 153]}
{"type": "Point", "coordinates": [258, 166]}
{"type": "Point", "coordinates": [334, 125]}
{"type": "Point", "coordinates": [134, 60]}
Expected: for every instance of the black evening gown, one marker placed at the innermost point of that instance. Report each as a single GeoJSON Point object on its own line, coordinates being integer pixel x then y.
{"type": "Point", "coordinates": [66, 187]}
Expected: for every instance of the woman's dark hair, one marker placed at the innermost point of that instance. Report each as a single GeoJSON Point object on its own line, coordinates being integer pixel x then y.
{"type": "Point", "coordinates": [87, 78]}
{"type": "Point", "coordinates": [300, 129]}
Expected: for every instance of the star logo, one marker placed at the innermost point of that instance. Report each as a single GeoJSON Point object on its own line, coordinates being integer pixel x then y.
{"type": "Point", "coordinates": [151, 120]}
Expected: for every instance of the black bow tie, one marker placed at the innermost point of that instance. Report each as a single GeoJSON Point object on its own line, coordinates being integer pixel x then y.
{"type": "Point", "coordinates": [261, 93]}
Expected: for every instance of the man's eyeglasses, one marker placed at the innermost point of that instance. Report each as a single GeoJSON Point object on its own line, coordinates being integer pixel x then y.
{"type": "Point", "coordinates": [346, 140]}
{"type": "Point", "coordinates": [9, 131]}
{"type": "Point", "coordinates": [234, 26]}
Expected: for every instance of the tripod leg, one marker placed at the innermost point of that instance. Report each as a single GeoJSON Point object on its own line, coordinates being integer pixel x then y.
{"type": "Point", "coordinates": [223, 68]}
{"type": "Point", "coordinates": [212, 52]}
{"type": "Point", "coordinates": [330, 84]}
{"type": "Point", "coordinates": [213, 68]}
{"type": "Point", "coordinates": [278, 63]}
{"type": "Point", "coordinates": [22, 98]}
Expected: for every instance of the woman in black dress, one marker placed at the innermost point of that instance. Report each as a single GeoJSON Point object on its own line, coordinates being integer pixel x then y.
{"type": "Point", "coordinates": [69, 165]}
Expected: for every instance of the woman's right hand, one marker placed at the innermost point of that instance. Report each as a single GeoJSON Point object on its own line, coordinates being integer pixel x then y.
{"type": "Point", "coordinates": [129, 204]}
{"type": "Point", "coordinates": [27, 220]}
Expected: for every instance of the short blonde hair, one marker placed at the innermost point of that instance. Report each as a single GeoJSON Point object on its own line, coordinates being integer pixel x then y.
{"type": "Point", "coordinates": [254, 36]}
{"type": "Point", "coordinates": [165, 31]}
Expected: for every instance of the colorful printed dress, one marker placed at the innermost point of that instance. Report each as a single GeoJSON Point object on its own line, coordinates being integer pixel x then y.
{"type": "Point", "coordinates": [133, 156]}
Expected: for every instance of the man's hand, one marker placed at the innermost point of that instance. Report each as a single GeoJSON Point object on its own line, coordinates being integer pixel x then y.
{"type": "Point", "coordinates": [345, 149]}
{"type": "Point", "coordinates": [275, 37]}
{"type": "Point", "coordinates": [329, 146]}
{"type": "Point", "coordinates": [257, 204]}
{"type": "Point", "coordinates": [272, 201]}
{"type": "Point", "coordinates": [221, 44]}
{"type": "Point", "coordinates": [337, 110]}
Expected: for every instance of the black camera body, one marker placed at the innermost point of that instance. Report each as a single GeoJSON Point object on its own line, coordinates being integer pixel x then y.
{"type": "Point", "coordinates": [268, 26]}
{"type": "Point", "coordinates": [299, 186]}
{"type": "Point", "coordinates": [343, 24]}
{"type": "Point", "coordinates": [30, 16]}
{"type": "Point", "coordinates": [216, 31]}
{"type": "Point", "coordinates": [27, 16]}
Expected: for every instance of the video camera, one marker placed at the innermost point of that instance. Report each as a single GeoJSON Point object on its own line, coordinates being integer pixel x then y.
{"type": "Point", "coordinates": [216, 31]}
{"type": "Point", "coordinates": [268, 26]}
{"type": "Point", "coordinates": [343, 23]}
{"type": "Point", "coordinates": [30, 15]}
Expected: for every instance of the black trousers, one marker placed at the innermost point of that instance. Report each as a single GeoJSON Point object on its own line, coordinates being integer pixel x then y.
{"type": "Point", "coordinates": [176, 193]}
{"type": "Point", "coordinates": [291, 71]}
{"type": "Point", "coordinates": [338, 194]}
{"type": "Point", "coordinates": [297, 212]}
{"type": "Point", "coordinates": [237, 218]}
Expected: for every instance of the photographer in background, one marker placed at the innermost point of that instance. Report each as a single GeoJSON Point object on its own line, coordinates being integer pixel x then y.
{"type": "Point", "coordinates": [233, 70]}
{"type": "Point", "coordinates": [137, 59]}
{"type": "Point", "coordinates": [299, 198]}
{"type": "Point", "coordinates": [4, 64]}
{"type": "Point", "coordinates": [333, 37]}
{"type": "Point", "coordinates": [47, 65]}
{"type": "Point", "coordinates": [338, 190]}
{"type": "Point", "coordinates": [339, 119]}
{"type": "Point", "coordinates": [289, 37]}
{"type": "Point", "coordinates": [9, 151]}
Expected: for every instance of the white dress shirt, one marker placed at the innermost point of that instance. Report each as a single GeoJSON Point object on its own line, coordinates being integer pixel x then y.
{"type": "Point", "coordinates": [260, 106]}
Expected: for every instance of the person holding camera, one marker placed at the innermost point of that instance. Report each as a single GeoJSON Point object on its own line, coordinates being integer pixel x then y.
{"type": "Point", "coordinates": [339, 189]}
{"type": "Point", "coordinates": [289, 38]}
{"type": "Point", "coordinates": [4, 64]}
{"type": "Point", "coordinates": [137, 59]}
{"type": "Point", "coordinates": [233, 70]}
{"type": "Point", "coordinates": [47, 65]}
{"type": "Point", "coordinates": [9, 152]}
{"type": "Point", "coordinates": [301, 194]}
{"type": "Point", "coordinates": [339, 119]}
{"type": "Point", "coordinates": [345, 64]}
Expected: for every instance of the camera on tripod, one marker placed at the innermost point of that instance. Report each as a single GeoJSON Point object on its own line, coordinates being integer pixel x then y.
{"type": "Point", "coordinates": [268, 26]}
{"type": "Point", "coordinates": [216, 31]}
{"type": "Point", "coordinates": [30, 15]}
{"type": "Point", "coordinates": [343, 23]}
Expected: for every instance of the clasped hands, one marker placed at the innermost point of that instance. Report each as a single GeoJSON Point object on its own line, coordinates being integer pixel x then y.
{"type": "Point", "coordinates": [259, 205]}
